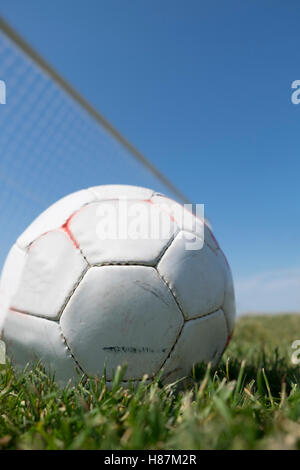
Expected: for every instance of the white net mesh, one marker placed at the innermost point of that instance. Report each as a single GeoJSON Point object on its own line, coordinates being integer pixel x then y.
{"type": "Point", "coordinates": [50, 146]}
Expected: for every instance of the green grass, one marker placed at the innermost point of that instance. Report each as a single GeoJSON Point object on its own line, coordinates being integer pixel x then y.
{"type": "Point", "coordinates": [251, 401]}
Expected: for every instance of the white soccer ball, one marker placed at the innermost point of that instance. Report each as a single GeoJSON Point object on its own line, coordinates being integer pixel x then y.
{"type": "Point", "coordinates": [78, 295]}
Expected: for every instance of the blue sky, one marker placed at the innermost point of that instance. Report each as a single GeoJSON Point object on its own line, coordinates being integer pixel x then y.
{"type": "Point", "coordinates": [203, 88]}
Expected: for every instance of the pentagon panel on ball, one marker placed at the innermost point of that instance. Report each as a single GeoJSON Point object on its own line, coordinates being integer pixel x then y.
{"type": "Point", "coordinates": [115, 275]}
{"type": "Point", "coordinates": [122, 314]}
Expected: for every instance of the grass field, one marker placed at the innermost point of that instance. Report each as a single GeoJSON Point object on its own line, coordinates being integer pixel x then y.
{"type": "Point", "coordinates": [252, 401]}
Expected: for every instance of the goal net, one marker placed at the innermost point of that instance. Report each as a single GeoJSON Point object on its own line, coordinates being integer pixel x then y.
{"type": "Point", "coordinates": [53, 143]}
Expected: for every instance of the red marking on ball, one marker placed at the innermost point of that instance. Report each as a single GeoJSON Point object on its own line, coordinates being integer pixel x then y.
{"type": "Point", "coordinates": [226, 260]}
{"type": "Point", "coordinates": [229, 339]}
{"type": "Point", "coordinates": [66, 228]}
{"type": "Point", "coordinates": [213, 237]}
{"type": "Point", "coordinates": [150, 201]}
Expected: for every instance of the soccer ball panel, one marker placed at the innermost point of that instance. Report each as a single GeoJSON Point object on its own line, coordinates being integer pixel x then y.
{"type": "Point", "coordinates": [12, 270]}
{"type": "Point", "coordinates": [133, 232]}
{"type": "Point", "coordinates": [55, 216]}
{"type": "Point", "coordinates": [53, 266]}
{"type": "Point", "coordinates": [30, 339]}
{"type": "Point", "coordinates": [194, 276]}
{"type": "Point", "coordinates": [210, 239]}
{"type": "Point", "coordinates": [228, 306]}
{"type": "Point", "coordinates": [121, 191]}
{"type": "Point", "coordinates": [119, 315]}
{"type": "Point", "coordinates": [10, 279]}
{"type": "Point", "coordinates": [201, 340]}
{"type": "Point", "coordinates": [186, 220]}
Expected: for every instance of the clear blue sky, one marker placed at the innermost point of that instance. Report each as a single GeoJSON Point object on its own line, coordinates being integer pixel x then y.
{"type": "Point", "coordinates": [203, 88]}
